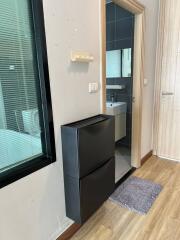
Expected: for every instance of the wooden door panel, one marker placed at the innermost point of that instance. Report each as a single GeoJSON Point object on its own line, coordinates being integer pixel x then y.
{"type": "Point", "coordinates": [169, 112]}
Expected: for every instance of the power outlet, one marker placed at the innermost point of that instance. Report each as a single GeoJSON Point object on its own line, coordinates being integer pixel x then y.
{"type": "Point", "coordinates": [93, 87]}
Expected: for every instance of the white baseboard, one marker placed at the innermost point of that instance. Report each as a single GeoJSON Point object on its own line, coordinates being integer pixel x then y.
{"type": "Point", "coordinates": [171, 159]}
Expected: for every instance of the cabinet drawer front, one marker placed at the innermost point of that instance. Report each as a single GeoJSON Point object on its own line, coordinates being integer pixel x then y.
{"type": "Point", "coordinates": [96, 188]}
{"type": "Point", "coordinates": [96, 145]}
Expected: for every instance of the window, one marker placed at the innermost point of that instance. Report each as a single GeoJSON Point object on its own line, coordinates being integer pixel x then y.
{"type": "Point", "coordinates": [119, 63]}
{"type": "Point", "coordinates": [26, 126]}
{"type": "Point", "coordinates": [113, 64]}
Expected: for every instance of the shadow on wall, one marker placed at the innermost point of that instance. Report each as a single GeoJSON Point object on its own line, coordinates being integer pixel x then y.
{"type": "Point", "coordinates": [55, 213]}
{"type": "Point", "coordinates": [78, 67]}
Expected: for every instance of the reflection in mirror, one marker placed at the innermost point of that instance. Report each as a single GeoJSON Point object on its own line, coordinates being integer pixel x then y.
{"type": "Point", "coordinates": [113, 64]}
{"type": "Point", "coordinates": [119, 87]}
{"type": "Point", "coordinates": [126, 62]}
{"type": "Point", "coordinates": [118, 63]}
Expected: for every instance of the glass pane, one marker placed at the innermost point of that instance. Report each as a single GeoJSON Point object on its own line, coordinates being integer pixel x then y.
{"type": "Point", "coordinates": [113, 64]}
{"type": "Point", "coordinates": [19, 112]}
{"type": "Point", "coordinates": [126, 62]}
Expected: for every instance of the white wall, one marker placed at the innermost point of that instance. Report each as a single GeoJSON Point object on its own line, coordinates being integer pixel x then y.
{"type": "Point", "coordinates": [152, 7]}
{"type": "Point", "coordinates": [33, 208]}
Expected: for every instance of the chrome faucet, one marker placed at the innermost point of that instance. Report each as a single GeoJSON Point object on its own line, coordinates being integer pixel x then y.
{"type": "Point", "coordinates": [112, 98]}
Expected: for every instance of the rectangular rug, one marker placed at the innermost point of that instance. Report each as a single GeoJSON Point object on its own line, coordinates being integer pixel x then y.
{"type": "Point", "coordinates": [136, 194]}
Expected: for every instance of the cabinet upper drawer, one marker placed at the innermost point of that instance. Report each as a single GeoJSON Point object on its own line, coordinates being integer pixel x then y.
{"type": "Point", "coordinates": [87, 147]}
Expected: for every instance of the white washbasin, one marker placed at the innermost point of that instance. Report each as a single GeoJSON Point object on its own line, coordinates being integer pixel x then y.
{"type": "Point", "coordinates": [116, 108]}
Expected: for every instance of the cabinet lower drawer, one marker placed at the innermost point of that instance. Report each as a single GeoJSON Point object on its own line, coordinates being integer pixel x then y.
{"type": "Point", "coordinates": [85, 196]}
{"type": "Point", "coordinates": [96, 188]}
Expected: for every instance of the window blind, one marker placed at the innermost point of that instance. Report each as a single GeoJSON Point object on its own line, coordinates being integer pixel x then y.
{"type": "Point", "coordinates": [20, 130]}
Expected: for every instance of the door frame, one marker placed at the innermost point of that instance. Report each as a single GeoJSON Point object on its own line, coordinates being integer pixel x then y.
{"type": "Point", "coordinates": [138, 70]}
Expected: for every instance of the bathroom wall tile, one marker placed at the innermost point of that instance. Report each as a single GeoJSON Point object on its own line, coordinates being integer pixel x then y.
{"type": "Point", "coordinates": [110, 31]}
{"type": "Point", "coordinates": [123, 43]}
{"type": "Point", "coordinates": [124, 98]}
{"type": "Point", "coordinates": [110, 12]}
{"type": "Point", "coordinates": [111, 81]}
{"type": "Point", "coordinates": [111, 45]}
{"type": "Point", "coordinates": [122, 13]}
{"type": "Point", "coordinates": [124, 29]}
{"type": "Point", "coordinates": [128, 84]}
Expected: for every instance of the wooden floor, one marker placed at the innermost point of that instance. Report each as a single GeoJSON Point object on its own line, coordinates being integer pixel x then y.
{"type": "Point", "coordinates": [112, 222]}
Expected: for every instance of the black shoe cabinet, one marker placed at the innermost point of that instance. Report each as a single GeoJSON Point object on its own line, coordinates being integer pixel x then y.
{"type": "Point", "coordinates": [89, 165]}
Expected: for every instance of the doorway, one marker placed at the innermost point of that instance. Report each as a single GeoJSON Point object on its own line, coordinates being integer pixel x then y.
{"type": "Point", "coordinates": [119, 81]}
{"type": "Point", "coordinates": [123, 76]}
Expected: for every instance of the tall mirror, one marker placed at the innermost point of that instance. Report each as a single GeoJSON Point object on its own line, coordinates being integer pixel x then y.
{"type": "Point", "coordinates": [119, 81]}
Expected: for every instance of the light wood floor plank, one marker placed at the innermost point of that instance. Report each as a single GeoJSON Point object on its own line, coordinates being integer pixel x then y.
{"type": "Point", "coordinates": [112, 222]}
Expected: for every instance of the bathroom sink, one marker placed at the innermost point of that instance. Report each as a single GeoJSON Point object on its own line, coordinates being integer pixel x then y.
{"type": "Point", "coordinates": [113, 104]}
{"type": "Point", "coordinates": [116, 108]}
{"type": "Point", "coordinates": [119, 110]}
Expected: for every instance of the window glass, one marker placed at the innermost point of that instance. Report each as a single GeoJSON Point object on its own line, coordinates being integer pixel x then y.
{"type": "Point", "coordinates": [20, 97]}
{"type": "Point", "coordinates": [113, 64]}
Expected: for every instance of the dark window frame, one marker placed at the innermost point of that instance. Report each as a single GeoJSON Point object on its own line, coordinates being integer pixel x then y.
{"type": "Point", "coordinates": [23, 169]}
